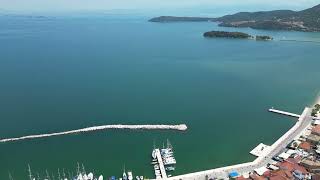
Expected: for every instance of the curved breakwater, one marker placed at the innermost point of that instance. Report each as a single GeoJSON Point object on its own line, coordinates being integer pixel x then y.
{"type": "Point", "coordinates": [180, 127]}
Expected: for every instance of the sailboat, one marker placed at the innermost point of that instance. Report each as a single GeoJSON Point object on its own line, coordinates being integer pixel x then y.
{"type": "Point", "coordinates": [30, 174]}
{"type": "Point", "coordinates": [124, 175]}
{"type": "Point", "coordinates": [130, 177]}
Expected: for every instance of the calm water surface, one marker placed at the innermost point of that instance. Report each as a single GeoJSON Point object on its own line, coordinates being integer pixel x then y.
{"type": "Point", "coordinates": [61, 73]}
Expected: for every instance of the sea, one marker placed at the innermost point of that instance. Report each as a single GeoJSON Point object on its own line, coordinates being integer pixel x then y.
{"type": "Point", "coordinates": [60, 73]}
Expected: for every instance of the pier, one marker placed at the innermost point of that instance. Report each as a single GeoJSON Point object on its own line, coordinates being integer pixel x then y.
{"type": "Point", "coordinates": [180, 127]}
{"type": "Point", "coordinates": [161, 165]}
{"type": "Point", "coordinates": [284, 113]}
{"type": "Point", "coordinates": [297, 130]}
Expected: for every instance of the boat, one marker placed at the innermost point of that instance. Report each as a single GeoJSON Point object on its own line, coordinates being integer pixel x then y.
{"type": "Point", "coordinates": [170, 168]}
{"type": "Point", "coordinates": [169, 161]}
{"type": "Point", "coordinates": [90, 176]}
{"type": "Point", "coordinates": [124, 176]}
{"type": "Point", "coordinates": [153, 154]}
{"type": "Point", "coordinates": [130, 177]}
{"type": "Point", "coordinates": [137, 178]}
{"type": "Point", "coordinates": [141, 177]}
{"type": "Point", "coordinates": [100, 177]}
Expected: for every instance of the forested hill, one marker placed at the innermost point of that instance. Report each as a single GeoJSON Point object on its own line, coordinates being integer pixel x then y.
{"type": "Point", "coordinates": [305, 20]}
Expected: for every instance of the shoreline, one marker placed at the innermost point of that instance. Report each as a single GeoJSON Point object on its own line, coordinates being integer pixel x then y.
{"type": "Point", "coordinates": [303, 123]}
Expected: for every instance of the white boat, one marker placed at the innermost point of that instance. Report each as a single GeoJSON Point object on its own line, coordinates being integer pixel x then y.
{"type": "Point", "coordinates": [170, 168]}
{"type": "Point", "coordinates": [90, 176]}
{"type": "Point", "coordinates": [100, 177]}
{"type": "Point", "coordinates": [137, 178]}
{"type": "Point", "coordinates": [169, 161]}
{"type": "Point", "coordinates": [124, 176]}
{"type": "Point", "coordinates": [141, 177]}
{"type": "Point", "coordinates": [153, 154]}
{"type": "Point", "coordinates": [130, 177]}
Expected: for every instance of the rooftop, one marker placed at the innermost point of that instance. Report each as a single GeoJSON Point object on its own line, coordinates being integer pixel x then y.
{"type": "Point", "coordinates": [305, 146]}
{"type": "Point", "coordinates": [316, 129]}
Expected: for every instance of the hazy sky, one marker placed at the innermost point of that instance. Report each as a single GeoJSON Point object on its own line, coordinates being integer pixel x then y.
{"type": "Point", "coordinates": [44, 5]}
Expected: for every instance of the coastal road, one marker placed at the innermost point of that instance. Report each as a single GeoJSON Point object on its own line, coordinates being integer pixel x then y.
{"type": "Point", "coordinates": [297, 130]}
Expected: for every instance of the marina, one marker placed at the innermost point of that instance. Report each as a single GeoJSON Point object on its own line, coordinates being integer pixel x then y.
{"type": "Point", "coordinates": [81, 174]}
{"type": "Point", "coordinates": [163, 160]}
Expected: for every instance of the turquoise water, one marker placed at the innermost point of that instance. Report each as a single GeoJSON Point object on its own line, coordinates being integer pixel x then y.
{"type": "Point", "coordinates": [66, 73]}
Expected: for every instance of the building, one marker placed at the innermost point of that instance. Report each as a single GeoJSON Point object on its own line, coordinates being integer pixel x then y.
{"type": "Point", "coordinates": [316, 130]}
{"type": "Point", "coordinates": [313, 139]}
{"type": "Point", "coordinates": [305, 146]}
{"type": "Point", "coordinates": [312, 166]}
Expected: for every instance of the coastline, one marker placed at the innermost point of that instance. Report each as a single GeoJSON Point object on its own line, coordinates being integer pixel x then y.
{"type": "Point", "coordinates": [303, 123]}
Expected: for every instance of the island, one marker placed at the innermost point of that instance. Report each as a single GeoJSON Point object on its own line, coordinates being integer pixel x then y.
{"type": "Point", "coordinates": [307, 20]}
{"type": "Point", "coordinates": [235, 35]}
{"type": "Point", "coordinates": [224, 34]}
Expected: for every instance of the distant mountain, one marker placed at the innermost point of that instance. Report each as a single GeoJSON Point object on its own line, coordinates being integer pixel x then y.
{"type": "Point", "coordinates": [305, 20]}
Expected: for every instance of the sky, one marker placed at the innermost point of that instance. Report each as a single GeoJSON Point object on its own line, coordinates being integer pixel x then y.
{"type": "Point", "coordinates": [73, 5]}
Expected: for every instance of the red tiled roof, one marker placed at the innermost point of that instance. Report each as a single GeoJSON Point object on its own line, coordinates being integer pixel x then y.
{"type": "Point", "coordinates": [241, 178]}
{"type": "Point", "coordinates": [256, 177]}
{"type": "Point", "coordinates": [291, 166]}
{"type": "Point", "coordinates": [281, 175]}
{"type": "Point", "coordinates": [286, 165]}
{"type": "Point", "coordinates": [316, 129]}
{"type": "Point", "coordinates": [278, 178]}
{"type": "Point", "coordinates": [305, 146]}
{"type": "Point", "coordinates": [292, 160]}
{"type": "Point", "coordinates": [267, 174]}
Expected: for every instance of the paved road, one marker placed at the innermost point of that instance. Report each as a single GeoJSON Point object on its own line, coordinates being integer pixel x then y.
{"type": "Point", "coordinates": [302, 124]}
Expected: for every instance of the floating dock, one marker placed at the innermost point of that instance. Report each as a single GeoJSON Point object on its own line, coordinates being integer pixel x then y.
{"type": "Point", "coordinates": [161, 165]}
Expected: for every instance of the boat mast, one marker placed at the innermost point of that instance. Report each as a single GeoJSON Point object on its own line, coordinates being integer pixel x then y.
{"type": "Point", "coordinates": [48, 176]}
{"type": "Point", "coordinates": [169, 146]}
{"type": "Point", "coordinates": [83, 170]}
{"type": "Point", "coordinates": [70, 176]}
{"type": "Point", "coordinates": [63, 174]}
{"type": "Point", "coordinates": [59, 177]}
{"type": "Point", "coordinates": [78, 168]}
{"type": "Point", "coordinates": [29, 170]}
{"type": "Point", "coordinates": [10, 177]}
